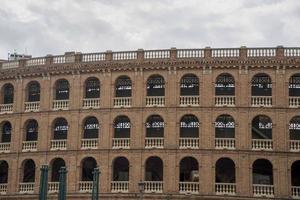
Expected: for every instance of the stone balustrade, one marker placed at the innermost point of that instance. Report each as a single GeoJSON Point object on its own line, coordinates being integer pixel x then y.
{"type": "Point", "coordinates": [155, 101]}
{"type": "Point", "coordinates": [224, 100]}
{"type": "Point", "coordinates": [89, 103]}
{"type": "Point", "coordinates": [58, 145]}
{"type": "Point", "coordinates": [93, 57]}
{"type": "Point", "coordinates": [5, 147]}
{"type": "Point", "coordinates": [295, 192]}
{"type": "Point", "coordinates": [153, 186]}
{"type": "Point", "coordinates": [154, 142]}
{"type": "Point", "coordinates": [225, 188]}
{"type": "Point", "coordinates": [294, 145]}
{"type": "Point", "coordinates": [90, 143]}
{"type": "Point", "coordinates": [189, 100]}
{"type": "Point", "coordinates": [261, 101]}
{"type": "Point", "coordinates": [260, 190]}
{"type": "Point", "coordinates": [121, 143]}
{"type": "Point", "coordinates": [60, 105]}
{"type": "Point", "coordinates": [29, 146]}
{"type": "Point", "coordinates": [85, 186]}
{"type": "Point", "coordinates": [32, 106]}
{"type": "Point", "coordinates": [262, 144]}
{"type": "Point", "coordinates": [6, 108]}
{"type": "Point", "coordinates": [26, 188]}
{"type": "Point", "coordinates": [294, 102]}
{"type": "Point", "coordinates": [122, 102]}
{"type": "Point", "coordinates": [53, 187]}
{"type": "Point", "coordinates": [225, 143]}
{"type": "Point", "coordinates": [190, 53]}
{"type": "Point", "coordinates": [189, 187]}
{"type": "Point", "coordinates": [119, 186]}
{"type": "Point", "coordinates": [35, 62]}
{"type": "Point", "coordinates": [3, 188]}
{"type": "Point", "coordinates": [125, 55]}
{"type": "Point", "coordinates": [188, 143]}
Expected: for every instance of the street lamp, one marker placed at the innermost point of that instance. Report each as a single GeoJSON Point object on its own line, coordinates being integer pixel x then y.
{"type": "Point", "coordinates": [141, 185]}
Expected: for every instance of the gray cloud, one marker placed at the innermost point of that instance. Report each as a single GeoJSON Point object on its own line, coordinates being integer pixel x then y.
{"type": "Point", "coordinates": [53, 27]}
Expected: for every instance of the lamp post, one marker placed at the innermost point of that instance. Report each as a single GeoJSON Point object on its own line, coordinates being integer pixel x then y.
{"type": "Point", "coordinates": [141, 185]}
{"type": "Point", "coordinates": [95, 190]}
{"type": "Point", "coordinates": [43, 183]}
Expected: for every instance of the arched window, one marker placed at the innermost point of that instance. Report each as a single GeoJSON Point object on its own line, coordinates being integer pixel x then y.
{"type": "Point", "coordinates": [189, 170]}
{"type": "Point", "coordinates": [189, 126]}
{"type": "Point", "coordinates": [88, 165]}
{"type": "Point", "coordinates": [28, 171]}
{"type": "Point", "coordinates": [62, 89]}
{"type": "Point", "coordinates": [262, 172]}
{"type": "Point", "coordinates": [261, 127]}
{"type": "Point", "coordinates": [33, 91]}
{"type": "Point", "coordinates": [189, 85]}
{"type": "Point", "coordinates": [6, 132]}
{"type": "Point", "coordinates": [123, 87]}
{"type": "Point", "coordinates": [295, 174]}
{"type": "Point", "coordinates": [122, 127]}
{"type": "Point", "coordinates": [60, 129]}
{"type": "Point", "coordinates": [294, 127]}
{"type": "Point", "coordinates": [294, 86]}
{"type": "Point", "coordinates": [224, 127]}
{"type": "Point", "coordinates": [155, 126]}
{"type": "Point", "coordinates": [31, 130]}
{"type": "Point", "coordinates": [225, 85]}
{"type": "Point", "coordinates": [3, 172]}
{"type": "Point", "coordinates": [261, 85]}
{"type": "Point", "coordinates": [154, 169]}
{"type": "Point", "coordinates": [120, 169]}
{"type": "Point", "coordinates": [92, 88]}
{"type": "Point", "coordinates": [8, 93]}
{"type": "Point", "coordinates": [57, 163]}
{"type": "Point", "coordinates": [225, 171]}
{"type": "Point", "coordinates": [91, 128]}
{"type": "Point", "coordinates": [155, 86]}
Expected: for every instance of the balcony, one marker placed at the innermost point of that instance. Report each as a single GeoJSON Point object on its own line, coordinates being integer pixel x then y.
{"type": "Point", "coordinates": [119, 186]}
{"type": "Point", "coordinates": [224, 143]}
{"type": "Point", "coordinates": [296, 192]}
{"type": "Point", "coordinates": [225, 101]}
{"type": "Point", "coordinates": [32, 106]}
{"type": "Point", "coordinates": [53, 187]}
{"type": "Point", "coordinates": [155, 101]}
{"type": "Point", "coordinates": [154, 143]}
{"type": "Point", "coordinates": [91, 103]}
{"type": "Point", "coordinates": [26, 188]}
{"type": "Point", "coordinates": [294, 102]}
{"type": "Point", "coordinates": [91, 143]}
{"type": "Point", "coordinates": [5, 147]}
{"type": "Point", "coordinates": [120, 102]}
{"type": "Point", "coordinates": [295, 145]}
{"type": "Point", "coordinates": [189, 187]}
{"type": "Point", "coordinates": [29, 146]}
{"type": "Point", "coordinates": [3, 188]}
{"type": "Point", "coordinates": [85, 186]}
{"type": "Point", "coordinates": [261, 101]}
{"type": "Point", "coordinates": [260, 190]}
{"type": "Point", "coordinates": [153, 186]}
{"type": "Point", "coordinates": [6, 108]}
{"type": "Point", "coordinates": [58, 145]}
{"type": "Point", "coordinates": [225, 188]}
{"type": "Point", "coordinates": [189, 143]}
{"type": "Point", "coordinates": [60, 105]}
{"type": "Point", "coordinates": [121, 143]}
{"type": "Point", "coordinates": [189, 100]}
{"type": "Point", "coordinates": [262, 144]}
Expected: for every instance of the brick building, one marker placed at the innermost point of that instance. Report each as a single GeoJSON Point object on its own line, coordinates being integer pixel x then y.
{"type": "Point", "coordinates": [188, 123]}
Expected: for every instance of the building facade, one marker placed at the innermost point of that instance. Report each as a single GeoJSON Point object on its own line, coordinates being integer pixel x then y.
{"type": "Point", "coordinates": [187, 123]}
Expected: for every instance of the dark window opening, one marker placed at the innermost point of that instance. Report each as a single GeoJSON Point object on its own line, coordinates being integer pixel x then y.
{"type": "Point", "coordinates": [225, 85]}
{"type": "Point", "coordinates": [224, 127]}
{"type": "Point", "coordinates": [262, 172]}
{"type": "Point", "coordinates": [88, 166]}
{"type": "Point", "coordinates": [294, 128]}
{"type": "Point", "coordinates": [34, 92]}
{"type": "Point", "coordinates": [225, 171]}
{"type": "Point", "coordinates": [155, 126]}
{"type": "Point", "coordinates": [60, 129]}
{"type": "Point", "coordinates": [156, 86]}
{"type": "Point", "coordinates": [122, 127]}
{"type": "Point", "coordinates": [62, 90]}
{"type": "Point", "coordinates": [189, 126]}
{"type": "Point", "coordinates": [154, 169]}
{"type": "Point", "coordinates": [189, 170]}
{"type": "Point", "coordinates": [6, 132]}
{"type": "Point", "coordinates": [261, 127]}
{"type": "Point", "coordinates": [29, 172]}
{"type": "Point", "coordinates": [123, 87]}
{"type": "Point", "coordinates": [189, 85]}
{"type": "Point", "coordinates": [3, 172]}
{"type": "Point", "coordinates": [32, 131]}
{"type": "Point", "coordinates": [92, 88]}
{"type": "Point", "coordinates": [8, 91]}
{"type": "Point", "coordinates": [295, 173]}
{"type": "Point", "coordinates": [261, 85]}
{"type": "Point", "coordinates": [56, 166]}
{"type": "Point", "coordinates": [294, 86]}
{"type": "Point", "coordinates": [91, 128]}
{"type": "Point", "coordinates": [121, 169]}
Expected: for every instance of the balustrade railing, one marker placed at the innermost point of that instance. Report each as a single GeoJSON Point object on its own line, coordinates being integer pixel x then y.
{"type": "Point", "coordinates": [154, 142]}
{"type": "Point", "coordinates": [60, 104]}
{"type": "Point", "coordinates": [223, 53]}
{"type": "Point", "coordinates": [119, 186]}
{"type": "Point", "coordinates": [93, 57]}
{"type": "Point", "coordinates": [91, 103]}
{"type": "Point", "coordinates": [58, 145]}
{"type": "Point", "coordinates": [29, 146]}
{"type": "Point", "coordinates": [85, 186]}
{"type": "Point", "coordinates": [121, 143]}
{"type": "Point", "coordinates": [189, 187]}
{"type": "Point", "coordinates": [188, 143]}
{"type": "Point", "coordinates": [25, 188]}
{"type": "Point", "coordinates": [225, 100]}
{"type": "Point", "coordinates": [156, 54]}
{"type": "Point", "coordinates": [155, 101]}
{"type": "Point", "coordinates": [261, 52]}
{"type": "Point", "coordinates": [32, 106]}
{"type": "Point", "coordinates": [262, 144]}
{"type": "Point", "coordinates": [189, 100]}
{"type": "Point", "coordinates": [6, 108]}
{"type": "Point", "coordinates": [153, 186]}
{"type": "Point", "coordinates": [10, 64]}
{"type": "Point", "coordinates": [292, 52]}
{"type": "Point", "coordinates": [294, 102]}
{"type": "Point", "coordinates": [295, 192]}
{"type": "Point", "coordinates": [59, 59]}
{"type": "Point", "coordinates": [91, 143]}
{"type": "Point", "coordinates": [294, 145]}
{"type": "Point", "coordinates": [35, 61]}
{"type": "Point", "coordinates": [53, 187]}
{"type": "Point", "coordinates": [3, 188]}
{"type": "Point", "coordinates": [190, 53]}
{"type": "Point", "coordinates": [225, 143]}
{"type": "Point", "coordinates": [260, 190]}
{"type": "Point", "coordinates": [261, 101]}
{"type": "Point", "coordinates": [225, 188]}
{"type": "Point", "coordinates": [126, 55]}
{"type": "Point", "coordinates": [122, 101]}
{"type": "Point", "coordinates": [5, 147]}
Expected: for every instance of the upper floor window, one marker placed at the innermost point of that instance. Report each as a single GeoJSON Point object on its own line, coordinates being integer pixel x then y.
{"type": "Point", "coordinates": [225, 85]}
{"type": "Point", "coordinates": [3, 172]}
{"type": "Point", "coordinates": [122, 127]}
{"type": "Point", "coordinates": [261, 85]}
{"type": "Point", "coordinates": [262, 172]}
{"type": "Point", "coordinates": [33, 91]}
{"type": "Point", "coordinates": [91, 128]}
{"type": "Point", "coordinates": [294, 127]}
{"type": "Point", "coordinates": [88, 165]}
{"type": "Point", "coordinates": [189, 126]}
{"type": "Point", "coordinates": [92, 88]}
{"type": "Point", "coordinates": [155, 86]}
{"type": "Point", "coordinates": [294, 86]}
{"type": "Point", "coordinates": [155, 126]}
{"type": "Point", "coordinates": [123, 87]}
{"type": "Point", "coordinates": [29, 171]}
{"type": "Point", "coordinates": [31, 130]}
{"type": "Point", "coordinates": [6, 132]}
{"type": "Point", "coordinates": [62, 89]}
{"type": "Point", "coordinates": [224, 127]}
{"type": "Point", "coordinates": [56, 165]}
{"type": "Point", "coordinates": [189, 85]}
{"type": "Point", "coordinates": [8, 93]}
{"type": "Point", "coordinates": [261, 127]}
{"type": "Point", "coordinates": [60, 129]}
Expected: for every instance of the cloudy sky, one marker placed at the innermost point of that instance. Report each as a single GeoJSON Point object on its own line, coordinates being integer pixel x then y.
{"type": "Point", "coordinates": [41, 27]}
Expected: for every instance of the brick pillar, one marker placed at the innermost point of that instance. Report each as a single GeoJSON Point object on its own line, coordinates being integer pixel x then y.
{"type": "Point", "coordinates": [173, 53]}
{"type": "Point", "coordinates": [108, 55]}
{"type": "Point", "coordinates": [140, 55]}
{"type": "Point", "coordinates": [279, 52]}
{"type": "Point", "coordinates": [243, 52]}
